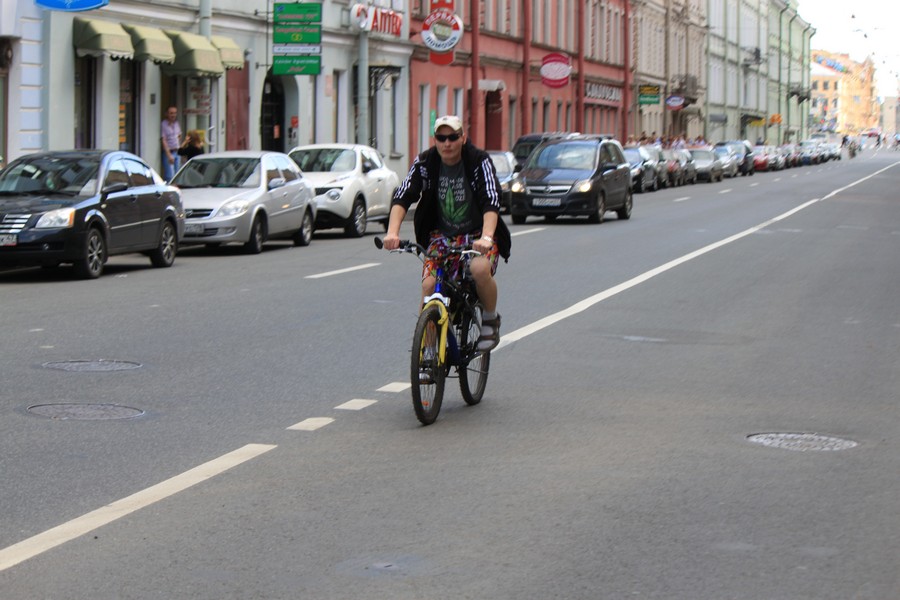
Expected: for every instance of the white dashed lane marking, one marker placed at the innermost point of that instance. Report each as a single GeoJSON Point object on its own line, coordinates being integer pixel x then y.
{"type": "Point", "coordinates": [356, 404]}
{"type": "Point", "coordinates": [311, 424]}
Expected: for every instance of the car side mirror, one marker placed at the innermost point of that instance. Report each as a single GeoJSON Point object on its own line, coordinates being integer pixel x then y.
{"type": "Point", "coordinates": [114, 188]}
{"type": "Point", "coordinates": [367, 166]}
{"type": "Point", "coordinates": [517, 168]}
{"type": "Point", "coordinates": [276, 182]}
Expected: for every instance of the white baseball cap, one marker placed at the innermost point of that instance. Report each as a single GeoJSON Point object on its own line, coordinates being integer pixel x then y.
{"type": "Point", "coordinates": [451, 121]}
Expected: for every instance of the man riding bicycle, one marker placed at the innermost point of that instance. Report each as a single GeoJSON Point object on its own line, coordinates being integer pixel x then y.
{"type": "Point", "coordinates": [458, 196]}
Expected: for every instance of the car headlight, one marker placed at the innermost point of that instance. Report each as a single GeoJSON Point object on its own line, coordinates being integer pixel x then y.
{"type": "Point", "coordinates": [504, 186]}
{"type": "Point", "coordinates": [56, 219]}
{"type": "Point", "coordinates": [635, 171]}
{"type": "Point", "coordinates": [333, 194]}
{"type": "Point", "coordinates": [583, 186]}
{"type": "Point", "coordinates": [517, 187]}
{"type": "Point", "coordinates": [234, 208]}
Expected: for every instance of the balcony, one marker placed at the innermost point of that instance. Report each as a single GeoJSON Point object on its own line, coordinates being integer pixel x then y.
{"type": "Point", "coordinates": [686, 86]}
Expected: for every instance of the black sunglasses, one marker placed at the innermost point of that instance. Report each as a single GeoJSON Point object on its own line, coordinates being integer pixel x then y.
{"type": "Point", "coordinates": [450, 136]}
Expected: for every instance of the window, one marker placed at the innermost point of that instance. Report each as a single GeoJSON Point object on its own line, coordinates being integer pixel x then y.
{"type": "Point", "coordinates": [373, 157]}
{"type": "Point", "coordinates": [288, 169]}
{"type": "Point", "coordinates": [117, 174]}
{"type": "Point", "coordinates": [824, 85]}
{"type": "Point", "coordinates": [140, 174]}
{"type": "Point", "coordinates": [271, 169]}
{"type": "Point", "coordinates": [85, 92]}
{"type": "Point", "coordinates": [128, 106]}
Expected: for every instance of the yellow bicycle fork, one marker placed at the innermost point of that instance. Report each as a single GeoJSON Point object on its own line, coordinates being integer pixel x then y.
{"type": "Point", "coordinates": [444, 324]}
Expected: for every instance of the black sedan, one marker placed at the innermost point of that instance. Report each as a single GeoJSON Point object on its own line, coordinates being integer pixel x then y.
{"type": "Point", "coordinates": [643, 169]}
{"type": "Point", "coordinates": [83, 206]}
{"type": "Point", "coordinates": [580, 176]}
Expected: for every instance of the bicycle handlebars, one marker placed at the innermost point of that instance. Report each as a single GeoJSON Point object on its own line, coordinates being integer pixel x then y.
{"type": "Point", "coordinates": [410, 246]}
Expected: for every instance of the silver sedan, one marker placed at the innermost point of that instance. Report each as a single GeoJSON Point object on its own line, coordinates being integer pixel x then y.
{"type": "Point", "coordinates": [246, 197]}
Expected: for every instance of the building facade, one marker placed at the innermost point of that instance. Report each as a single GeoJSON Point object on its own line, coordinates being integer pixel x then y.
{"type": "Point", "coordinates": [384, 69]}
{"type": "Point", "coordinates": [758, 71]}
{"type": "Point", "coordinates": [522, 66]}
{"type": "Point", "coordinates": [669, 61]}
{"type": "Point", "coordinates": [852, 108]}
{"type": "Point", "coordinates": [105, 77]}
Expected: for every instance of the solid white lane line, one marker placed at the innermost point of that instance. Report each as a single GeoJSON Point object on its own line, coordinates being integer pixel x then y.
{"type": "Point", "coordinates": [342, 271]}
{"type": "Point", "coordinates": [527, 231]}
{"type": "Point", "coordinates": [311, 424]}
{"type": "Point", "coordinates": [355, 404]}
{"type": "Point", "coordinates": [77, 527]}
{"type": "Point", "coordinates": [396, 386]}
{"type": "Point", "coordinates": [587, 303]}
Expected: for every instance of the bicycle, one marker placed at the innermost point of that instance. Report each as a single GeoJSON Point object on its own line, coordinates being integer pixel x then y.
{"type": "Point", "coordinates": [446, 335]}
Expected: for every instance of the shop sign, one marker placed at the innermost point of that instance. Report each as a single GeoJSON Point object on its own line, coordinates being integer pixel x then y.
{"type": "Point", "coordinates": [296, 33]}
{"type": "Point", "coordinates": [297, 12]}
{"type": "Point", "coordinates": [296, 65]}
{"type": "Point", "coordinates": [603, 92]}
{"type": "Point", "coordinates": [555, 70]}
{"type": "Point", "coordinates": [373, 18]}
{"type": "Point", "coordinates": [648, 94]}
{"type": "Point", "coordinates": [442, 31]}
{"type": "Point", "coordinates": [71, 5]}
{"type": "Point", "coordinates": [297, 39]}
{"type": "Point", "coordinates": [675, 102]}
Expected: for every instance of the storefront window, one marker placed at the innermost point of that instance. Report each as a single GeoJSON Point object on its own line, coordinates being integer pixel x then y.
{"type": "Point", "coordinates": [85, 76]}
{"type": "Point", "coordinates": [128, 94]}
{"type": "Point", "coordinates": [3, 157]}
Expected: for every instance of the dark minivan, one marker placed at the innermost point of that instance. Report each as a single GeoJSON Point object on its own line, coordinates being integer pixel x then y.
{"type": "Point", "coordinates": [580, 176]}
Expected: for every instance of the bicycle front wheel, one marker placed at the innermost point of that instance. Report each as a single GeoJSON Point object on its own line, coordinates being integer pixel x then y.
{"type": "Point", "coordinates": [474, 365]}
{"type": "Point", "coordinates": [426, 370]}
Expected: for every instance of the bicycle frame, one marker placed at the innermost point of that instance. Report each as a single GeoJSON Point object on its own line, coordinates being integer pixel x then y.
{"type": "Point", "coordinates": [442, 301]}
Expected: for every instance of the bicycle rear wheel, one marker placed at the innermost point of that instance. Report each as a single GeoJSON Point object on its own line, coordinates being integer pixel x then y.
{"type": "Point", "coordinates": [473, 370]}
{"type": "Point", "coordinates": [426, 371]}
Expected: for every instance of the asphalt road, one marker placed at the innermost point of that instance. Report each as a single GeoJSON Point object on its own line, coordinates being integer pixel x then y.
{"type": "Point", "coordinates": [268, 455]}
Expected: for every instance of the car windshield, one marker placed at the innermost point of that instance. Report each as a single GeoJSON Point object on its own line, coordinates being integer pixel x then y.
{"type": "Point", "coordinates": [501, 165]}
{"type": "Point", "coordinates": [232, 172]}
{"type": "Point", "coordinates": [574, 156]}
{"type": "Point", "coordinates": [702, 155]}
{"type": "Point", "coordinates": [67, 175]}
{"type": "Point", "coordinates": [722, 151]}
{"type": "Point", "coordinates": [634, 156]}
{"type": "Point", "coordinates": [523, 149]}
{"type": "Point", "coordinates": [323, 160]}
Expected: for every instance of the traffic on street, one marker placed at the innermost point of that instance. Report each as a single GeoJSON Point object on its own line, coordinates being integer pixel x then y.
{"type": "Point", "coordinates": [694, 399]}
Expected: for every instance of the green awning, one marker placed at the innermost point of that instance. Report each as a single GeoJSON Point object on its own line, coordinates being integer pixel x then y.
{"type": "Point", "coordinates": [195, 56]}
{"type": "Point", "coordinates": [231, 54]}
{"type": "Point", "coordinates": [92, 37]}
{"type": "Point", "coordinates": [150, 44]}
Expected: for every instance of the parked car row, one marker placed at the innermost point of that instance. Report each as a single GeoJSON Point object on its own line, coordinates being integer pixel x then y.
{"type": "Point", "coordinates": [80, 207]}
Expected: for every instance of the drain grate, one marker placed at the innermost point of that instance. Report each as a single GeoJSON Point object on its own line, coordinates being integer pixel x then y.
{"type": "Point", "coordinates": [84, 412]}
{"type": "Point", "coordinates": [93, 365]}
{"type": "Point", "coordinates": [801, 442]}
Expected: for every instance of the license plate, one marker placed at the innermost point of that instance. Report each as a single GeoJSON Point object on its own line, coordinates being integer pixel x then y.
{"type": "Point", "coordinates": [8, 239]}
{"type": "Point", "coordinates": [545, 201]}
{"type": "Point", "coordinates": [193, 229]}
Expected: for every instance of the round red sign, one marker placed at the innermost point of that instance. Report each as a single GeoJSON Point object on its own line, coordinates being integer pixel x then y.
{"type": "Point", "coordinates": [555, 70]}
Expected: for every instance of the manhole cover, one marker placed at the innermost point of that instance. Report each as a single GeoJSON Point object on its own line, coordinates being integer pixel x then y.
{"type": "Point", "coordinates": [802, 442]}
{"type": "Point", "coordinates": [84, 412]}
{"type": "Point", "coordinates": [93, 365]}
